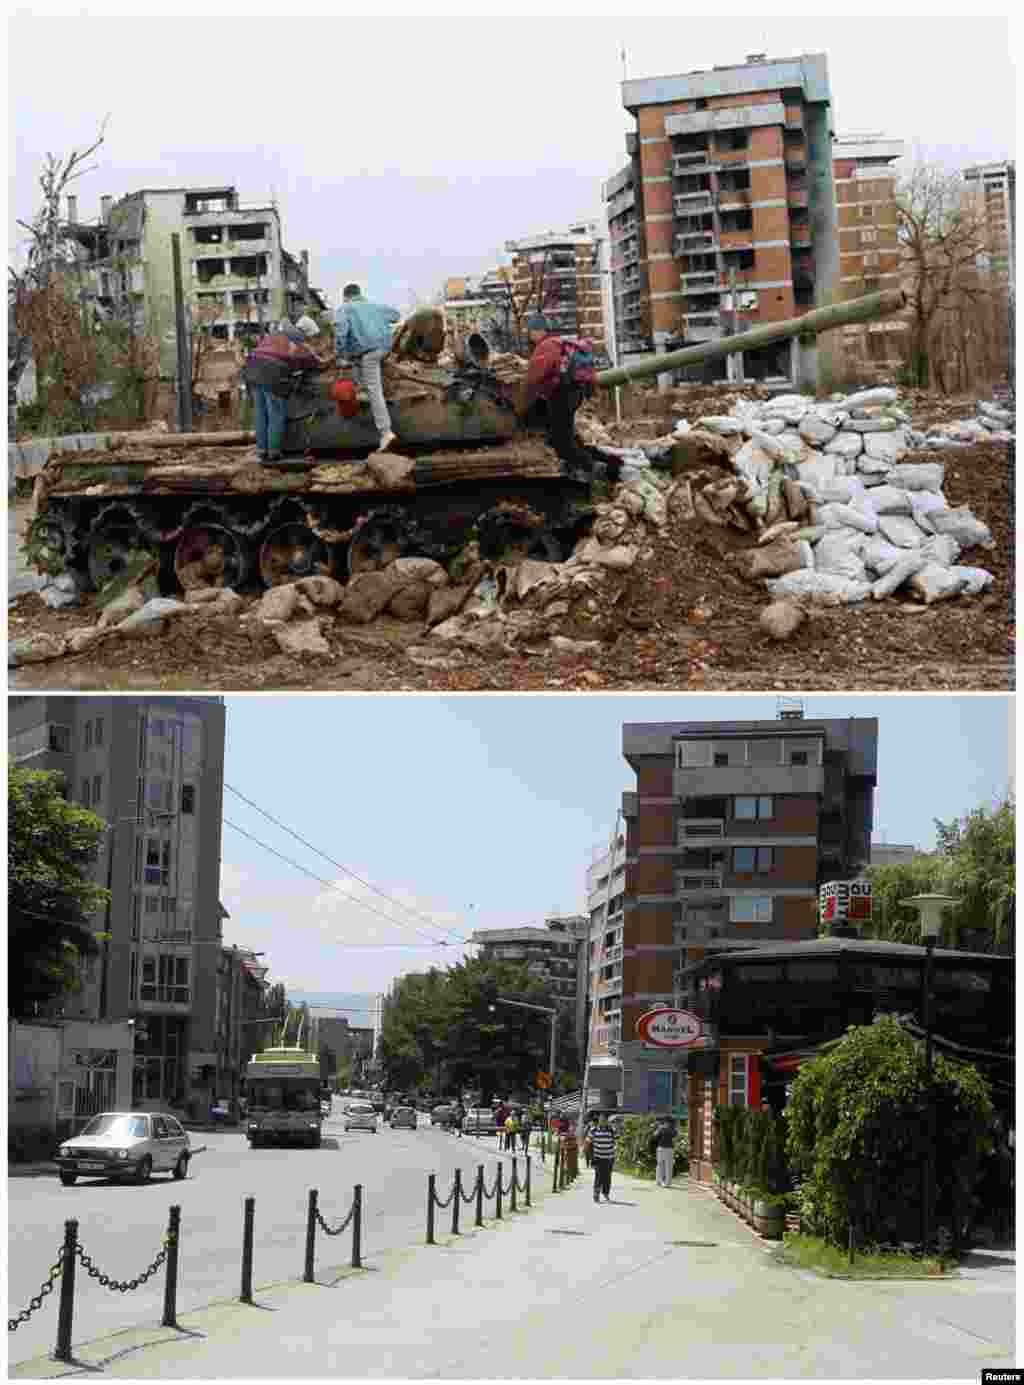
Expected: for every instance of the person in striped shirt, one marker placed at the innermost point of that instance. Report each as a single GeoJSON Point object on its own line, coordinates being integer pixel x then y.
{"type": "Point", "coordinates": [603, 1144]}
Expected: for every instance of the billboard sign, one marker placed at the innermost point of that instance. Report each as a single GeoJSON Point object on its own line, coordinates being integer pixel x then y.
{"type": "Point", "coordinates": [670, 1028]}
{"type": "Point", "coordinates": [845, 901]}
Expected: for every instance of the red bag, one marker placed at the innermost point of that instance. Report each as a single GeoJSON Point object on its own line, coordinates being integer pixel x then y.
{"type": "Point", "coordinates": [343, 392]}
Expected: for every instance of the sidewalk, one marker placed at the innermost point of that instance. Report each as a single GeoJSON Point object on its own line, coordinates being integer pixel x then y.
{"type": "Point", "coordinates": [657, 1283]}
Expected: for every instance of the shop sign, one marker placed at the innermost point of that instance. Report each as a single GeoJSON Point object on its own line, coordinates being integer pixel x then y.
{"type": "Point", "coordinates": [843, 901]}
{"type": "Point", "coordinates": [670, 1028]}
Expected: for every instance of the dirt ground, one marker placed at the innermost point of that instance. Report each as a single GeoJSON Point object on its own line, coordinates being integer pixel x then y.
{"type": "Point", "coordinates": [681, 618]}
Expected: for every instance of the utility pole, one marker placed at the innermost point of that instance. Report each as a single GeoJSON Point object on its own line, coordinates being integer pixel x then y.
{"type": "Point", "coordinates": [182, 342]}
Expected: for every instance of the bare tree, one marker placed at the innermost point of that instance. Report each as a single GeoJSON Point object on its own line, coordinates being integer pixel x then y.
{"type": "Point", "coordinates": [942, 235]}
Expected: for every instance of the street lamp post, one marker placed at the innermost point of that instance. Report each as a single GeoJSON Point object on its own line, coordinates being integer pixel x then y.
{"type": "Point", "coordinates": [929, 907]}
{"type": "Point", "coordinates": [545, 1010]}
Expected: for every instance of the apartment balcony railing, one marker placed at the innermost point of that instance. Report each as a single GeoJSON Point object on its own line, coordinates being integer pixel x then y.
{"type": "Point", "coordinates": [689, 203]}
{"type": "Point", "coordinates": [621, 202]}
{"type": "Point", "coordinates": [698, 882]}
{"type": "Point", "coordinates": [702, 319]}
{"type": "Point", "coordinates": [693, 830]}
{"type": "Point", "coordinates": [631, 311]}
{"type": "Point", "coordinates": [613, 986]}
{"type": "Point", "coordinates": [165, 995]}
{"type": "Point", "coordinates": [613, 953]}
{"type": "Point", "coordinates": [629, 255]}
{"type": "Point", "coordinates": [700, 160]}
{"type": "Point", "coordinates": [705, 278]}
{"type": "Point", "coordinates": [695, 243]}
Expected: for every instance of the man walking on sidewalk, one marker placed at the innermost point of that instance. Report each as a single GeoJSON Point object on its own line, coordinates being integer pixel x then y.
{"type": "Point", "coordinates": [603, 1144]}
{"type": "Point", "coordinates": [664, 1142]}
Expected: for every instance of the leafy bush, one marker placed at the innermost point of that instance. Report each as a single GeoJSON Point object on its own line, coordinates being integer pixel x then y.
{"type": "Point", "coordinates": [636, 1151]}
{"type": "Point", "coordinates": [750, 1148]}
{"type": "Point", "coordinates": [859, 1128]}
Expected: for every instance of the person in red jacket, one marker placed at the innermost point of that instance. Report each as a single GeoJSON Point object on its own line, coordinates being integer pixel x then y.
{"type": "Point", "coordinates": [268, 378]}
{"type": "Point", "coordinates": [549, 399]}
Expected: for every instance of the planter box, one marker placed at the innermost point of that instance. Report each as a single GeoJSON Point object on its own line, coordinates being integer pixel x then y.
{"type": "Point", "coordinates": [768, 1220]}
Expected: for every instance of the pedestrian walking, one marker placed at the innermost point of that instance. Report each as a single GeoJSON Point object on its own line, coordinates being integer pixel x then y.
{"type": "Point", "coordinates": [664, 1144]}
{"type": "Point", "coordinates": [363, 333]}
{"type": "Point", "coordinates": [511, 1131]}
{"type": "Point", "coordinates": [560, 375]}
{"type": "Point", "coordinates": [458, 1116]}
{"type": "Point", "coordinates": [588, 1147]}
{"type": "Point", "coordinates": [525, 1131]}
{"type": "Point", "coordinates": [603, 1141]}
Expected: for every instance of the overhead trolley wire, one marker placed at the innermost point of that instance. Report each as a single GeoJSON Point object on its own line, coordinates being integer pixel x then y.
{"type": "Point", "coordinates": [368, 883]}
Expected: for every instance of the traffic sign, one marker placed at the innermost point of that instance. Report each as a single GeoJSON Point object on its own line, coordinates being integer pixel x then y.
{"type": "Point", "coordinates": [543, 1079]}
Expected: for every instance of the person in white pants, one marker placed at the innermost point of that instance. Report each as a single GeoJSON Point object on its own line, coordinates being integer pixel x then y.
{"type": "Point", "coordinates": [664, 1139]}
{"type": "Point", "coordinates": [363, 334]}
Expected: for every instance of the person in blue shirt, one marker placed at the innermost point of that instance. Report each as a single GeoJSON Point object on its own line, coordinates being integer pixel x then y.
{"type": "Point", "coordinates": [363, 334]}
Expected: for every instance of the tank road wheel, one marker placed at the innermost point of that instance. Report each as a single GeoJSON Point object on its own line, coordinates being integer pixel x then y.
{"type": "Point", "coordinates": [209, 555]}
{"type": "Point", "coordinates": [506, 534]}
{"type": "Point", "coordinates": [290, 552]}
{"type": "Point", "coordinates": [115, 547]}
{"type": "Point", "coordinates": [45, 546]}
{"type": "Point", "coordinates": [376, 542]}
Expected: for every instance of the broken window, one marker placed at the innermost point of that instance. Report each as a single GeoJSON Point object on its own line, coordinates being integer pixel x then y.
{"type": "Point", "coordinates": [255, 230]}
{"type": "Point", "coordinates": [740, 220]}
{"type": "Point", "coordinates": [207, 235]}
{"type": "Point", "coordinates": [735, 180]}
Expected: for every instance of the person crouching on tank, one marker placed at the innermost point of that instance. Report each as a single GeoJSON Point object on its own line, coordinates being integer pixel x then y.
{"type": "Point", "coordinates": [550, 399]}
{"type": "Point", "coordinates": [363, 333]}
{"type": "Point", "coordinates": [269, 375]}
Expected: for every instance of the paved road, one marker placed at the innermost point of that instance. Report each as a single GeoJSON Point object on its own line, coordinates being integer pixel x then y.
{"type": "Point", "coordinates": [121, 1225]}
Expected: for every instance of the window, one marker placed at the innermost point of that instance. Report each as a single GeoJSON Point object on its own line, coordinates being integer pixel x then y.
{"type": "Point", "coordinates": [748, 859]}
{"type": "Point", "coordinates": [764, 752]}
{"type": "Point", "coordinates": [754, 809]}
{"type": "Point", "coordinates": [188, 798]}
{"type": "Point", "coordinates": [97, 789]}
{"type": "Point", "coordinates": [867, 213]}
{"type": "Point", "coordinates": [721, 758]}
{"type": "Point", "coordinates": [85, 793]}
{"type": "Point", "coordinates": [693, 754]}
{"type": "Point", "coordinates": [60, 739]}
{"type": "Point", "coordinates": [739, 1064]}
{"type": "Point", "coordinates": [87, 738]}
{"type": "Point", "coordinates": [750, 908]}
{"type": "Point", "coordinates": [659, 1089]}
{"type": "Point", "coordinates": [158, 795]}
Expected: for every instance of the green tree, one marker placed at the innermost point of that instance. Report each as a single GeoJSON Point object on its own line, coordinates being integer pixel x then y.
{"type": "Point", "coordinates": [979, 863]}
{"type": "Point", "coordinates": [890, 920]}
{"type": "Point", "coordinates": [52, 846]}
{"type": "Point", "coordinates": [859, 1124]}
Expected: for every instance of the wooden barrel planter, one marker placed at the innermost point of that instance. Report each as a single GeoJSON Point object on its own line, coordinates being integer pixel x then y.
{"type": "Point", "coordinates": [769, 1220]}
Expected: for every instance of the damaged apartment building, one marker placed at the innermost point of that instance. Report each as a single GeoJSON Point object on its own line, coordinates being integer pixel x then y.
{"type": "Point", "coordinates": [560, 273]}
{"type": "Point", "coordinates": [725, 215]}
{"type": "Point", "coordinates": [237, 276]}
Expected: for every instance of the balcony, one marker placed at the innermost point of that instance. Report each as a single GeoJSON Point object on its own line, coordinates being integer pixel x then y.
{"type": "Point", "coordinates": [165, 997]}
{"type": "Point", "coordinates": [698, 160]}
{"type": "Point", "coordinates": [621, 203]}
{"type": "Point", "coordinates": [613, 954]}
{"type": "Point", "coordinates": [694, 831]}
{"type": "Point", "coordinates": [705, 280]}
{"type": "Point", "coordinates": [701, 320]}
{"type": "Point", "coordinates": [691, 203]}
{"type": "Point", "coordinates": [629, 255]}
{"type": "Point", "coordinates": [698, 882]}
{"type": "Point", "coordinates": [695, 243]}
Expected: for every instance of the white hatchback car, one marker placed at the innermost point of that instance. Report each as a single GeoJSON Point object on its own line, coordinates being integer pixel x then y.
{"type": "Point", "coordinates": [125, 1144]}
{"type": "Point", "coordinates": [360, 1115]}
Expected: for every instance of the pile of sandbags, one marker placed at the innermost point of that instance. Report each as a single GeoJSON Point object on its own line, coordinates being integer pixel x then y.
{"type": "Point", "coordinates": [840, 509]}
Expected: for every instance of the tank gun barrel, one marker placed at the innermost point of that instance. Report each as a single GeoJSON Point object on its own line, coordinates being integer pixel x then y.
{"type": "Point", "coordinates": [866, 309]}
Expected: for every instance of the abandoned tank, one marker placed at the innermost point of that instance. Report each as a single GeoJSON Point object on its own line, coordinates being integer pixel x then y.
{"type": "Point", "coordinates": [202, 510]}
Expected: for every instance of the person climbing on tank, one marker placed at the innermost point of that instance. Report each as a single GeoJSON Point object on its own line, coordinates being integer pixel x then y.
{"type": "Point", "coordinates": [269, 377]}
{"type": "Point", "coordinates": [559, 376]}
{"type": "Point", "coordinates": [363, 333]}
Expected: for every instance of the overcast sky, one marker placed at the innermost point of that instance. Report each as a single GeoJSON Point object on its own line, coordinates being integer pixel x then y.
{"type": "Point", "coordinates": [485, 811]}
{"type": "Point", "coordinates": [403, 150]}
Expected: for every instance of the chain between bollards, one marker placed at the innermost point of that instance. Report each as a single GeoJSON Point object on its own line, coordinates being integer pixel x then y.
{"type": "Point", "coordinates": [308, 1272]}
{"type": "Point", "coordinates": [247, 1234]}
{"type": "Point", "coordinates": [480, 1195]}
{"type": "Point", "coordinates": [431, 1195]}
{"type": "Point", "coordinates": [65, 1316]}
{"type": "Point", "coordinates": [170, 1318]}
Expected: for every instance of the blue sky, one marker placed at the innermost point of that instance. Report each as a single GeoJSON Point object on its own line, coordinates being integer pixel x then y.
{"type": "Point", "coordinates": [401, 153]}
{"type": "Point", "coordinates": [478, 812]}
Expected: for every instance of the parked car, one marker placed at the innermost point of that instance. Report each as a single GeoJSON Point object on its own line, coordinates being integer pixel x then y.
{"type": "Point", "coordinates": [480, 1121]}
{"type": "Point", "coordinates": [360, 1115]}
{"type": "Point", "coordinates": [403, 1116]}
{"type": "Point", "coordinates": [442, 1115]}
{"type": "Point", "coordinates": [125, 1144]}
{"type": "Point", "coordinates": [325, 1106]}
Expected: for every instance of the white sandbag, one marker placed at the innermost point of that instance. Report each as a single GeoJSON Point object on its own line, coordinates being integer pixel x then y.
{"type": "Point", "coordinates": [891, 500]}
{"type": "Point", "coordinates": [942, 549]}
{"type": "Point", "coordinates": [917, 476]}
{"type": "Point", "coordinates": [978, 579]}
{"type": "Point", "coordinates": [880, 555]}
{"type": "Point", "coordinates": [935, 583]}
{"type": "Point", "coordinates": [817, 473]}
{"type": "Point", "coordinates": [923, 504]}
{"type": "Point", "coordinates": [879, 394]}
{"type": "Point", "coordinates": [908, 564]}
{"type": "Point", "coordinates": [850, 517]}
{"type": "Point", "coordinates": [901, 531]}
{"type": "Point", "coordinates": [821, 588]}
{"type": "Point", "coordinates": [845, 445]}
{"type": "Point", "coordinates": [837, 555]}
{"type": "Point", "coordinates": [806, 555]}
{"type": "Point", "coordinates": [961, 525]}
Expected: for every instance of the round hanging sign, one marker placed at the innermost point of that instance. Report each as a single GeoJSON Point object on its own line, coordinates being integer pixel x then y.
{"type": "Point", "coordinates": [670, 1028]}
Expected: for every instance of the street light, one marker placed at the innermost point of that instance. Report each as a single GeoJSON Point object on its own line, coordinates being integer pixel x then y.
{"type": "Point", "coordinates": [930, 908]}
{"type": "Point", "coordinates": [545, 1010]}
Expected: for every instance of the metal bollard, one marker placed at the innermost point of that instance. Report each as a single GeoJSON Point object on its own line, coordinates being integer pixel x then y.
{"type": "Point", "coordinates": [247, 1227]}
{"type": "Point", "coordinates": [528, 1169]}
{"type": "Point", "coordinates": [515, 1180]}
{"type": "Point", "coordinates": [65, 1317]}
{"type": "Point", "coordinates": [357, 1227]}
{"type": "Point", "coordinates": [170, 1318]}
{"type": "Point", "coordinates": [456, 1199]}
{"type": "Point", "coordinates": [308, 1273]}
{"type": "Point", "coordinates": [554, 1172]}
{"type": "Point", "coordinates": [497, 1183]}
{"type": "Point", "coordinates": [480, 1195]}
{"type": "Point", "coordinates": [431, 1180]}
